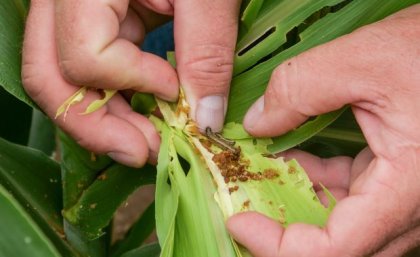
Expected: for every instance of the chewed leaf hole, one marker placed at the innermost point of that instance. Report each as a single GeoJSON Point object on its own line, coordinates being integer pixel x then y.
{"type": "Point", "coordinates": [184, 164]}
{"type": "Point", "coordinates": [293, 35]}
{"type": "Point", "coordinates": [257, 41]}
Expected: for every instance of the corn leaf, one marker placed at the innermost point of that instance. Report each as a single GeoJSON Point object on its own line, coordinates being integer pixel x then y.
{"type": "Point", "coordinates": [95, 105]}
{"type": "Point", "coordinates": [12, 18]}
{"type": "Point", "coordinates": [35, 181]}
{"type": "Point", "coordinates": [192, 218]}
{"type": "Point", "coordinates": [143, 103]}
{"type": "Point", "coordinates": [269, 31]}
{"type": "Point", "coordinates": [42, 133]}
{"type": "Point", "coordinates": [250, 13]}
{"type": "Point", "coordinates": [79, 169]}
{"type": "Point", "coordinates": [304, 132]}
{"type": "Point", "coordinates": [97, 204]}
{"type": "Point", "coordinates": [94, 187]}
{"type": "Point", "coordinates": [192, 182]}
{"type": "Point", "coordinates": [19, 234]}
{"type": "Point", "coordinates": [73, 99]}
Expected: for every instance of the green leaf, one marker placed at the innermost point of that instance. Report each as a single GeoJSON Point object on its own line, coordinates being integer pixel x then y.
{"type": "Point", "coordinates": [270, 30]}
{"type": "Point", "coordinates": [167, 196]}
{"type": "Point", "coordinates": [95, 105]}
{"type": "Point", "coordinates": [77, 97]}
{"type": "Point", "coordinates": [186, 213]}
{"type": "Point", "coordinates": [94, 187]}
{"type": "Point", "coordinates": [42, 133]}
{"type": "Point", "coordinates": [79, 169]}
{"type": "Point", "coordinates": [12, 18]}
{"type": "Point", "coordinates": [143, 103]}
{"type": "Point", "coordinates": [151, 250]}
{"type": "Point", "coordinates": [97, 204]}
{"type": "Point", "coordinates": [19, 234]}
{"type": "Point", "coordinates": [304, 132]}
{"type": "Point", "coordinates": [138, 232]}
{"type": "Point", "coordinates": [34, 180]}
{"type": "Point", "coordinates": [251, 12]}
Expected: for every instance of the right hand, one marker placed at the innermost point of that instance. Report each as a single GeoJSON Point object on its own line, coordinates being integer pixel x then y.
{"type": "Point", "coordinates": [375, 70]}
{"type": "Point", "coordinates": [70, 43]}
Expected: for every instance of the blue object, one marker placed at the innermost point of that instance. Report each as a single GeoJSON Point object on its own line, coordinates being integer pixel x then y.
{"type": "Point", "coordinates": [160, 40]}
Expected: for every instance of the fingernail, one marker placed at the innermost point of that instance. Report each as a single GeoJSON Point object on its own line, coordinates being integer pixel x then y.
{"type": "Point", "coordinates": [254, 113]}
{"type": "Point", "coordinates": [126, 159]}
{"type": "Point", "coordinates": [210, 112]}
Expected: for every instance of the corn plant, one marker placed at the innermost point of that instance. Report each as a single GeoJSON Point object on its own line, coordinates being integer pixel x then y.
{"type": "Point", "coordinates": [65, 207]}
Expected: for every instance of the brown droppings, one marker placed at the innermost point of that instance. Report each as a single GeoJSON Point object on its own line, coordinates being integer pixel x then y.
{"type": "Point", "coordinates": [243, 178]}
{"type": "Point", "coordinates": [233, 189]}
{"type": "Point", "coordinates": [234, 168]}
{"type": "Point", "coordinates": [102, 177]}
{"type": "Point", "coordinates": [291, 170]}
{"type": "Point", "coordinates": [206, 143]}
{"type": "Point", "coordinates": [92, 157]}
{"type": "Point", "coordinates": [93, 205]}
{"type": "Point", "coordinates": [282, 217]}
{"type": "Point", "coordinates": [245, 205]}
{"type": "Point", "coordinates": [270, 174]}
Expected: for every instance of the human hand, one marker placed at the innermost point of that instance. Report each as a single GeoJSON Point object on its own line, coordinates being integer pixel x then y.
{"type": "Point", "coordinates": [94, 43]}
{"type": "Point", "coordinates": [375, 70]}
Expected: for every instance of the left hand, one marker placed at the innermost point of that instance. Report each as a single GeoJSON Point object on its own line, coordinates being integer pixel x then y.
{"type": "Point", "coordinates": [376, 70]}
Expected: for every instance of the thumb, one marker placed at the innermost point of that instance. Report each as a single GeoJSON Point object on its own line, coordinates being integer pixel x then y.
{"type": "Point", "coordinates": [320, 80]}
{"type": "Point", "coordinates": [267, 233]}
{"type": "Point", "coordinates": [205, 37]}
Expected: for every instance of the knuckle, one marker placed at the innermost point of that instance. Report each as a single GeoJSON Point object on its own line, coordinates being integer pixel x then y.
{"type": "Point", "coordinates": [209, 67]}
{"type": "Point", "coordinates": [281, 89]}
{"type": "Point", "coordinates": [32, 80]}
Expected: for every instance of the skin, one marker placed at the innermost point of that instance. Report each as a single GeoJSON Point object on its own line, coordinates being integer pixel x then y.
{"type": "Point", "coordinates": [69, 43]}
{"type": "Point", "coordinates": [376, 70]}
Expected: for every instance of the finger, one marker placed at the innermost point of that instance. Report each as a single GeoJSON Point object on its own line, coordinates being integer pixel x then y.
{"type": "Point", "coordinates": [338, 193]}
{"type": "Point", "coordinates": [132, 28]}
{"type": "Point", "coordinates": [90, 52]}
{"type": "Point", "coordinates": [244, 227]}
{"type": "Point", "coordinates": [332, 173]}
{"type": "Point", "coordinates": [297, 90]}
{"type": "Point", "coordinates": [361, 162]}
{"type": "Point", "coordinates": [205, 37]}
{"type": "Point", "coordinates": [103, 132]}
{"type": "Point", "coordinates": [402, 244]}
{"type": "Point", "coordinates": [100, 131]}
{"type": "Point", "coordinates": [119, 107]}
